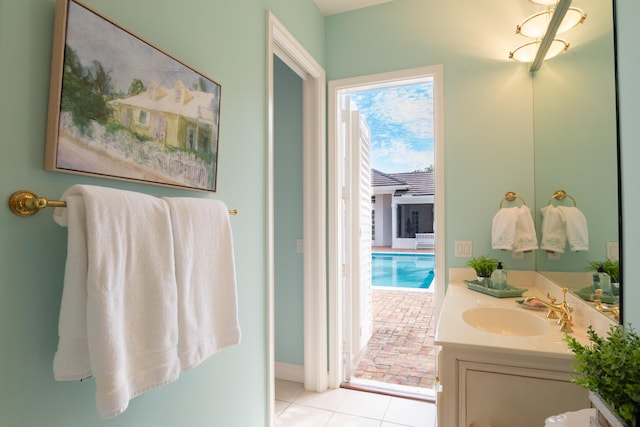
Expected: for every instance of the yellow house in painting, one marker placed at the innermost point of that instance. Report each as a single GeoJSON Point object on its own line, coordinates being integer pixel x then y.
{"type": "Point", "coordinates": [177, 116]}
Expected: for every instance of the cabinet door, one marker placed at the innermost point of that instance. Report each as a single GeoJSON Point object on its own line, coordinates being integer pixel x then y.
{"type": "Point", "coordinates": [505, 396]}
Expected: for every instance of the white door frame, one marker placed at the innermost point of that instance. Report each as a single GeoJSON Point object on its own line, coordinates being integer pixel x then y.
{"type": "Point", "coordinates": [280, 42]}
{"type": "Point", "coordinates": [336, 303]}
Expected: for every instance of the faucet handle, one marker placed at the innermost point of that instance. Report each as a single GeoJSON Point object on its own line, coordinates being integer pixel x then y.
{"type": "Point", "coordinates": [566, 324]}
{"type": "Point", "coordinates": [551, 314]}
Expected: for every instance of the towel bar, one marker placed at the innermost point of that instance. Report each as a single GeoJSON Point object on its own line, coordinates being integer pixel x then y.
{"type": "Point", "coordinates": [26, 203]}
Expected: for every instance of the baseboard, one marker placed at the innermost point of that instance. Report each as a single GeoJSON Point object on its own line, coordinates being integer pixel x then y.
{"type": "Point", "coordinates": [289, 372]}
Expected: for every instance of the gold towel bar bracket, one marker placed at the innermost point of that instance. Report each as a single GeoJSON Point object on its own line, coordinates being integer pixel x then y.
{"type": "Point", "coordinates": [510, 197]}
{"type": "Point", "coordinates": [561, 195]}
{"type": "Point", "coordinates": [26, 203]}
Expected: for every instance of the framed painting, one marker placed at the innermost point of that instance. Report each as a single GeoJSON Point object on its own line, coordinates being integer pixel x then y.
{"type": "Point", "coordinates": [121, 108]}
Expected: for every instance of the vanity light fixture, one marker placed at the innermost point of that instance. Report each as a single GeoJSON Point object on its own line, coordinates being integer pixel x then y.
{"type": "Point", "coordinates": [536, 25]}
{"type": "Point", "coordinates": [545, 2]}
{"type": "Point", "coordinates": [527, 52]}
{"type": "Point", "coordinates": [543, 27]}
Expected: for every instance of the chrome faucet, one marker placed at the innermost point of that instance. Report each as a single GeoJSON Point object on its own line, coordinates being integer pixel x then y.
{"type": "Point", "coordinates": [563, 309]}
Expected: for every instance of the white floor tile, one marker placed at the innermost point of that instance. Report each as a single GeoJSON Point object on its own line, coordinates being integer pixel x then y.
{"type": "Point", "coordinates": [386, 424]}
{"type": "Point", "coordinates": [303, 416]}
{"type": "Point", "coordinates": [364, 404]}
{"type": "Point", "coordinates": [344, 420]}
{"type": "Point", "coordinates": [411, 413]}
{"type": "Point", "coordinates": [288, 391]}
{"type": "Point", "coordinates": [329, 400]}
{"type": "Point", "coordinates": [279, 406]}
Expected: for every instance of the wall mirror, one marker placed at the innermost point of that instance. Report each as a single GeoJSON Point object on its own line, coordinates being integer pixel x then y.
{"type": "Point", "coordinates": [575, 137]}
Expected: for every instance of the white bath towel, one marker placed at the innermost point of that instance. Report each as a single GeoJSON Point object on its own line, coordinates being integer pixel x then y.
{"type": "Point", "coordinates": [118, 317]}
{"type": "Point", "coordinates": [553, 233]}
{"type": "Point", "coordinates": [503, 228]}
{"type": "Point", "coordinates": [206, 278]}
{"type": "Point", "coordinates": [526, 239]}
{"type": "Point", "coordinates": [577, 231]}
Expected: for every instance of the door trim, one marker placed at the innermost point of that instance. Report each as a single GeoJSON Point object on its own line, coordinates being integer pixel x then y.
{"type": "Point", "coordinates": [336, 338]}
{"type": "Point", "coordinates": [280, 42]}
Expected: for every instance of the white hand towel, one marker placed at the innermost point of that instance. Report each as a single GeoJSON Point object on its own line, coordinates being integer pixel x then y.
{"type": "Point", "coordinates": [118, 317]}
{"type": "Point", "coordinates": [577, 231]}
{"type": "Point", "coordinates": [206, 278]}
{"type": "Point", "coordinates": [526, 238]}
{"type": "Point", "coordinates": [503, 229]}
{"type": "Point", "coordinates": [554, 235]}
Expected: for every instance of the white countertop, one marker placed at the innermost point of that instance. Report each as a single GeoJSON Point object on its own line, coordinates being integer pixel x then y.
{"type": "Point", "coordinates": [453, 331]}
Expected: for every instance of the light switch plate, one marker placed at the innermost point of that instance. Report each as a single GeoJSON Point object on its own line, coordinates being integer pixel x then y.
{"type": "Point", "coordinates": [613, 251]}
{"type": "Point", "coordinates": [463, 249]}
{"type": "Point", "coordinates": [300, 246]}
{"type": "Point", "coordinates": [553, 255]}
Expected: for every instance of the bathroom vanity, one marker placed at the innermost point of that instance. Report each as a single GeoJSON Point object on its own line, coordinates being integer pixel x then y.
{"type": "Point", "coordinates": [501, 365]}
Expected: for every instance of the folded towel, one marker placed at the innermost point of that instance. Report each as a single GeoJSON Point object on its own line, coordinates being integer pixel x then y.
{"type": "Point", "coordinates": [118, 317]}
{"type": "Point", "coordinates": [577, 231]}
{"type": "Point", "coordinates": [503, 229]}
{"type": "Point", "coordinates": [526, 238]}
{"type": "Point", "coordinates": [206, 278]}
{"type": "Point", "coordinates": [554, 235]}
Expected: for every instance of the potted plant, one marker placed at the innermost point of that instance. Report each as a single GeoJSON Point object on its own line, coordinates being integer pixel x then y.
{"type": "Point", "coordinates": [483, 267]}
{"type": "Point", "coordinates": [612, 268]}
{"type": "Point", "coordinates": [610, 369]}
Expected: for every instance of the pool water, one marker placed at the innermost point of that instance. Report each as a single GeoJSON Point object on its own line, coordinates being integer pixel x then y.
{"type": "Point", "coordinates": [402, 270]}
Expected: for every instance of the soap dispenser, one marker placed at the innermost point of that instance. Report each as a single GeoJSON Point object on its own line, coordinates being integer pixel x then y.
{"type": "Point", "coordinates": [499, 277]}
{"type": "Point", "coordinates": [604, 280]}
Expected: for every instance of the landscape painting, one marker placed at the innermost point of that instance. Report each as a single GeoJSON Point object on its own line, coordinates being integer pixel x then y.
{"type": "Point", "coordinates": [121, 108]}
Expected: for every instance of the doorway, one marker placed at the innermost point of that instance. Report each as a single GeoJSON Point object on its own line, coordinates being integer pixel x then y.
{"type": "Point", "coordinates": [343, 320]}
{"type": "Point", "coordinates": [282, 44]}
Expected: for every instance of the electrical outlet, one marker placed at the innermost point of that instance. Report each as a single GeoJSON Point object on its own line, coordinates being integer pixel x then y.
{"type": "Point", "coordinates": [517, 255]}
{"type": "Point", "coordinates": [463, 249]}
{"type": "Point", "coordinates": [300, 246]}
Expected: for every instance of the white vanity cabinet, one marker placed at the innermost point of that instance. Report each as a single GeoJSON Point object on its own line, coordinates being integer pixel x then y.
{"type": "Point", "coordinates": [486, 388]}
{"type": "Point", "coordinates": [494, 376]}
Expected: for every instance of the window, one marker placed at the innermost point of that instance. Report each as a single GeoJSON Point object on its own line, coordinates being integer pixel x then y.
{"type": "Point", "coordinates": [143, 118]}
{"type": "Point", "coordinates": [415, 221]}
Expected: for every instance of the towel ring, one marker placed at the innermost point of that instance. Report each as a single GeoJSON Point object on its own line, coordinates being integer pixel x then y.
{"type": "Point", "coordinates": [26, 203]}
{"type": "Point", "coordinates": [561, 195]}
{"type": "Point", "coordinates": [510, 197]}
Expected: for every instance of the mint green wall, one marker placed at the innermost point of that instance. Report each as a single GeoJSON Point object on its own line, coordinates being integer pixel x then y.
{"type": "Point", "coordinates": [628, 13]}
{"type": "Point", "coordinates": [487, 100]}
{"type": "Point", "coordinates": [289, 334]}
{"type": "Point", "coordinates": [225, 40]}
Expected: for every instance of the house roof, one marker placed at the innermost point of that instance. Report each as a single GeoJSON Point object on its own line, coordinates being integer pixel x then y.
{"type": "Point", "coordinates": [195, 105]}
{"type": "Point", "coordinates": [412, 183]}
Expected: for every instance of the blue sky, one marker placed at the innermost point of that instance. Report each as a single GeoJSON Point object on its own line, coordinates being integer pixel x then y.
{"type": "Point", "coordinates": [401, 120]}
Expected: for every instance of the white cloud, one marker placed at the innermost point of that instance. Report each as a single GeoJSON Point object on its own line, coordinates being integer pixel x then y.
{"type": "Point", "coordinates": [409, 107]}
{"type": "Point", "coordinates": [398, 156]}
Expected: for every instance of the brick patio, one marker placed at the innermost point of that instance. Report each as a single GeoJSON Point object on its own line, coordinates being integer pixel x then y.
{"type": "Point", "coordinates": [401, 350]}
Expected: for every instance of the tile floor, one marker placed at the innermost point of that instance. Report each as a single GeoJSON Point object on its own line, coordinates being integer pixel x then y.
{"type": "Point", "coordinates": [295, 407]}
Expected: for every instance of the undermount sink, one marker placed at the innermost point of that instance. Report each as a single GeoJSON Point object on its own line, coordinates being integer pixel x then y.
{"type": "Point", "coordinates": [505, 321]}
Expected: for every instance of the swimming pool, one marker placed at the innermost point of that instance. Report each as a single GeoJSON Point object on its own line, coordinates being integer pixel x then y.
{"type": "Point", "coordinates": [393, 270]}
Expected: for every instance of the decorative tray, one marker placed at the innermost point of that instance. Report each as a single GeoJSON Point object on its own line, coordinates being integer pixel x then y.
{"type": "Point", "coordinates": [587, 293]}
{"type": "Point", "coordinates": [510, 292]}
